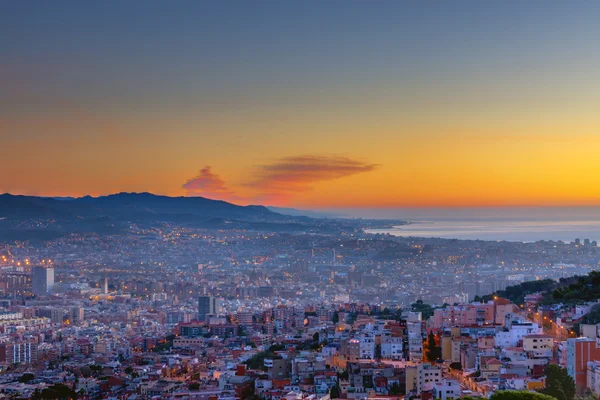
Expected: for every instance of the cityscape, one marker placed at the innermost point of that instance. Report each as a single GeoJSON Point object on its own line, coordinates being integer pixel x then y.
{"type": "Point", "coordinates": [299, 200]}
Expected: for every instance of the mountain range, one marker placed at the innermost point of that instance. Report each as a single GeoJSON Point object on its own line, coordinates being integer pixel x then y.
{"type": "Point", "coordinates": [24, 217]}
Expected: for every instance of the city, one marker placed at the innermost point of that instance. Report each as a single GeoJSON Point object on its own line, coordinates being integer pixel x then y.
{"type": "Point", "coordinates": [296, 200]}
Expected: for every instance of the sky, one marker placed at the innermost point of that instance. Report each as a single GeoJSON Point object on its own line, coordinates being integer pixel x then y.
{"type": "Point", "coordinates": [308, 104]}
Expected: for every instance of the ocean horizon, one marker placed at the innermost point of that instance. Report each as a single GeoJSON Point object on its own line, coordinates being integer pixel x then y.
{"type": "Point", "coordinates": [521, 224]}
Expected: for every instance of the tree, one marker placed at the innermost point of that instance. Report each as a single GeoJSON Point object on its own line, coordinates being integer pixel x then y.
{"type": "Point", "coordinates": [519, 395]}
{"type": "Point", "coordinates": [334, 393]}
{"type": "Point", "coordinates": [336, 317]}
{"type": "Point", "coordinates": [395, 389]}
{"type": "Point", "coordinates": [425, 309]}
{"type": "Point", "coordinates": [558, 383]}
{"type": "Point", "coordinates": [433, 351]}
{"type": "Point", "coordinates": [194, 386]}
{"type": "Point", "coordinates": [58, 392]}
{"type": "Point", "coordinates": [378, 352]}
{"type": "Point", "coordinates": [316, 337]}
{"type": "Point", "coordinates": [25, 378]}
{"type": "Point", "coordinates": [456, 365]}
{"type": "Point", "coordinates": [352, 317]}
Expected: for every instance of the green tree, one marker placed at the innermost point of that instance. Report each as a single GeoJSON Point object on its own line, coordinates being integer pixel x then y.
{"type": "Point", "coordinates": [425, 309]}
{"type": "Point", "coordinates": [25, 378]}
{"type": "Point", "coordinates": [395, 389]}
{"type": "Point", "coordinates": [58, 392]}
{"type": "Point", "coordinates": [456, 365]}
{"type": "Point", "coordinates": [336, 317]}
{"type": "Point", "coordinates": [334, 393]}
{"type": "Point", "coordinates": [558, 383]}
{"type": "Point", "coordinates": [378, 352]}
{"type": "Point", "coordinates": [433, 351]}
{"type": "Point", "coordinates": [519, 395]}
{"type": "Point", "coordinates": [194, 386]}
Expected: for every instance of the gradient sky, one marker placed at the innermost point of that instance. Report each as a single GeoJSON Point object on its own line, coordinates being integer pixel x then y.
{"type": "Point", "coordinates": [305, 104]}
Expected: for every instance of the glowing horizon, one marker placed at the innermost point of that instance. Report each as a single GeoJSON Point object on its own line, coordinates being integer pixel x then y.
{"type": "Point", "coordinates": [334, 105]}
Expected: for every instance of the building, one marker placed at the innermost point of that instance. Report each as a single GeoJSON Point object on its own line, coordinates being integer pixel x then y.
{"type": "Point", "coordinates": [593, 377]}
{"type": "Point", "coordinates": [511, 336]}
{"type": "Point", "coordinates": [391, 347]}
{"type": "Point", "coordinates": [367, 348]}
{"type": "Point", "coordinates": [580, 351]}
{"type": "Point", "coordinates": [415, 341]}
{"type": "Point", "coordinates": [422, 377]}
{"type": "Point", "coordinates": [18, 353]}
{"type": "Point", "coordinates": [42, 280]}
{"type": "Point", "coordinates": [538, 346]}
{"type": "Point", "coordinates": [446, 389]}
{"type": "Point", "coordinates": [208, 305]}
{"type": "Point", "coordinates": [104, 285]}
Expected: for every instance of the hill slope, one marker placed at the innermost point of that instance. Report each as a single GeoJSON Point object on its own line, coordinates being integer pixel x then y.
{"type": "Point", "coordinates": [30, 217]}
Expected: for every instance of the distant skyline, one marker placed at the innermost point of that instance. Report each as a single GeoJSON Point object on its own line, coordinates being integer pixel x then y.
{"type": "Point", "coordinates": [316, 105]}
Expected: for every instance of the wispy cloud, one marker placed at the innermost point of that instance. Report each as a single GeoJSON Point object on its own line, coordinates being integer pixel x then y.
{"type": "Point", "coordinates": [300, 173]}
{"type": "Point", "coordinates": [209, 184]}
{"type": "Point", "coordinates": [278, 182]}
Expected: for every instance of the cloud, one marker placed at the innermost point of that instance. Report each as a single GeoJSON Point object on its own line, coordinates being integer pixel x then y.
{"type": "Point", "coordinates": [209, 184]}
{"type": "Point", "coordinates": [298, 174]}
{"type": "Point", "coordinates": [278, 182]}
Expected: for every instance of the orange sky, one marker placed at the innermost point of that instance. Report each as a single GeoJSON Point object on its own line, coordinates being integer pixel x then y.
{"type": "Point", "coordinates": [488, 105]}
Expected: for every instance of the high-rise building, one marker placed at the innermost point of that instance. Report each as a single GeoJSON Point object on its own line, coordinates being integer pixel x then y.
{"type": "Point", "coordinates": [579, 352]}
{"type": "Point", "coordinates": [208, 305]}
{"type": "Point", "coordinates": [18, 353]}
{"type": "Point", "coordinates": [104, 285]}
{"type": "Point", "coordinates": [42, 280]}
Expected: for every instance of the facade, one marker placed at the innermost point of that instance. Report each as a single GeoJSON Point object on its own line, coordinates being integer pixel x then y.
{"type": "Point", "coordinates": [580, 351]}
{"type": "Point", "coordinates": [446, 389]}
{"type": "Point", "coordinates": [538, 346]}
{"type": "Point", "coordinates": [511, 336]}
{"type": "Point", "coordinates": [391, 347]}
{"type": "Point", "coordinates": [18, 353]}
{"type": "Point", "coordinates": [208, 305]}
{"type": "Point", "coordinates": [42, 280]}
{"type": "Point", "coordinates": [422, 377]}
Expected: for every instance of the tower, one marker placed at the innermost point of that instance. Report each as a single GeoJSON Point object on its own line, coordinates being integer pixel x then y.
{"type": "Point", "coordinates": [42, 280]}
{"type": "Point", "coordinates": [208, 305]}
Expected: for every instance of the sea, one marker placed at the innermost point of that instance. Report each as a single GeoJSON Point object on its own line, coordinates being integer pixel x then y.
{"type": "Point", "coordinates": [528, 224]}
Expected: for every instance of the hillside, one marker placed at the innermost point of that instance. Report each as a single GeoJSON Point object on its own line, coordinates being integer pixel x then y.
{"type": "Point", "coordinates": [572, 290]}
{"type": "Point", "coordinates": [42, 218]}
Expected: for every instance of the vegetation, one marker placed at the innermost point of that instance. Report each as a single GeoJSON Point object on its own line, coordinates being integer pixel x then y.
{"type": "Point", "coordinates": [456, 365]}
{"type": "Point", "coordinates": [57, 391]}
{"type": "Point", "coordinates": [336, 318]}
{"type": "Point", "coordinates": [433, 352]}
{"type": "Point", "coordinates": [558, 383]}
{"type": "Point", "coordinates": [425, 309]}
{"type": "Point", "coordinates": [516, 294]}
{"type": "Point", "coordinates": [578, 288]}
{"type": "Point", "coordinates": [277, 347]}
{"type": "Point", "coordinates": [258, 360]}
{"type": "Point", "coordinates": [334, 393]}
{"type": "Point", "coordinates": [519, 395]}
{"type": "Point", "coordinates": [571, 290]}
{"type": "Point", "coordinates": [343, 375]}
{"type": "Point", "coordinates": [593, 317]}
{"type": "Point", "coordinates": [395, 389]}
{"type": "Point", "coordinates": [25, 378]}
